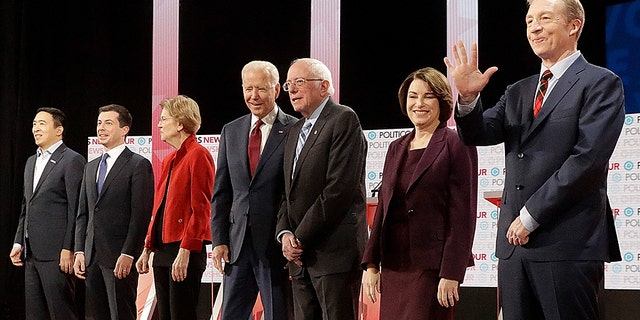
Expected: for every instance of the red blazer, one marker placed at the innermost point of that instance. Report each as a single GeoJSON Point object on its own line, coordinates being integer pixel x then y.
{"type": "Point", "coordinates": [441, 202]}
{"type": "Point", "coordinates": [188, 206]}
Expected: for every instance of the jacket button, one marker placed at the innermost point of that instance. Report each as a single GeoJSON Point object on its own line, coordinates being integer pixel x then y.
{"type": "Point", "coordinates": [519, 187]}
{"type": "Point", "coordinates": [180, 220]}
{"type": "Point", "coordinates": [410, 211]}
{"type": "Point", "coordinates": [520, 155]}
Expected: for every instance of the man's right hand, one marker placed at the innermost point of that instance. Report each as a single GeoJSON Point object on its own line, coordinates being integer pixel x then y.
{"type": "Point", "coordinates": [15, 256]}
{"type": "Point", "coordinates": [292, 248]}
{"type": "Point", "coordinates": [467, 78]}
{"type": "Point", "coordinates": [220, 253]}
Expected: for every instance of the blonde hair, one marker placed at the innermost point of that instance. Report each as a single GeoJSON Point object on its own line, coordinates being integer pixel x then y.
{"type": "Point", "coordinates": [185, 111]}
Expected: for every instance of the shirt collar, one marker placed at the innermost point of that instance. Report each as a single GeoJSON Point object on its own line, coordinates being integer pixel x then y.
{"type": "Point", "coordinates": [269, 119]}
{"type": "Point", "coordinates": [561, 66]}
{"type": "Point", "coordinates": [49, 150]}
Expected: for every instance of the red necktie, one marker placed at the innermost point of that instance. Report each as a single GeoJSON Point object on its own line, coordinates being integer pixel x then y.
{"type": "Point", "coordinates": [255, 140]}
{"type": "Point", "coordinates": [542, 90]}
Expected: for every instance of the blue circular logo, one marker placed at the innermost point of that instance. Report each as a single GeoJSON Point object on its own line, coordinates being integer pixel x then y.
{"type": "Point", "coordinates": [493, 257]}
{"type": "Point", "coordinates": [618, 223]}
{"type": "Point", "coordinates": [484, 225]}
{"type": "Point", "coordinates": [142, 140]}
{"type": "Point", "coordinates": [494, 214]}
{"type": "Point", "coordinates": [628, 165]}
{"type": "Point", "coordinates": [617, 267]}
{"type": "Point", "coordinates": [372, 175]}
{"type": "Point", "coordinates": [484, 182]}
{"type": "Point", "coordinates": [628, 257]}
{"type": "Point", "coordinates": [495, 171]}
{"type": "Point", "coordinates": [628, 212]}
{"type": "Point", "coordinates": [372, 135]}
{"type": "Point", "coordinates": [616, 177]}
{"type": "Point", "coordinates": [484, 267]}
{"type": "Point", "coordinates": [628, 120]}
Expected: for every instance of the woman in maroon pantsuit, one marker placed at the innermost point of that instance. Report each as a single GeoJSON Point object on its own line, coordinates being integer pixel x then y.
{"type": "Point", "coordinates": [420, 243]}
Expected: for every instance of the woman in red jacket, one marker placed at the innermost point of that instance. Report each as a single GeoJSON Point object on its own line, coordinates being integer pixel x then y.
{"type": "Point", "coordinates": [180, 228]}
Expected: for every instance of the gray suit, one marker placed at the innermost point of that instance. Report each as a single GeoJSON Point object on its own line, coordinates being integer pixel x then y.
{"type": "Point", "coordinates": [46, 226]}
{"type": "Point", "coordinates": [238, 199]}
{"type": "Point", "coordinates": [111, 223]}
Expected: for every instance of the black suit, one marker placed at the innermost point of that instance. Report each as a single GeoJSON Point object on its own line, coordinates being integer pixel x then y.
{"type": "Point", "coordinates": [112, 223]}
{"type": "Point", "coordinates": [255, 259]}
{"type": "Point", "coordinates": [325, 208]}
{"type": "Point", "coordinates": [45, 228]}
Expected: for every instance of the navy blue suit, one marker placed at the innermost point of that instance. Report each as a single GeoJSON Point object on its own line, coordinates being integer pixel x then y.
{"type": "Point", "coordinates": [244, 213]}
{"type": "Point", "coordinates": [112, 223]}
{"type": "Point", "coordinates": [556, 167]}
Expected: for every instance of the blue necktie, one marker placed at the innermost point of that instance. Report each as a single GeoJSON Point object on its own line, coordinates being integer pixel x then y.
{"type": "Point", "coordinates": [302, 138]}
{"type": "Point", "coordinates": [102, 173]}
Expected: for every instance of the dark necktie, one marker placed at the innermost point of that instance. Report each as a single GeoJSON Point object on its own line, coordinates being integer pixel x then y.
{"type": "Point", "coordinates": [542, 90]}
{"type": "Point", "coordinates": [102, 173]}
{"type": "Point", "coordinates": [255, 140]}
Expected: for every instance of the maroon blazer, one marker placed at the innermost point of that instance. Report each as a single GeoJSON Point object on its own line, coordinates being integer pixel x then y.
{"type": "Point", "coordinates": [441, 202]}
{"type": "Point", "coordinates": [188, 206]}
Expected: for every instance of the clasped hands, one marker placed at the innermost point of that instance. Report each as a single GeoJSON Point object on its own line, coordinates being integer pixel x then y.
{"type": "Point", "coordinates": [292, 248]}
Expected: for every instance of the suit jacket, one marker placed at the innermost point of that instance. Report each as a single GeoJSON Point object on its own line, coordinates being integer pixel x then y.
{"type": "Point", "coordinates": [441, 203]}
{"type": "Point", "coordinates": [49, 212]}
{"type": "Point", "coordinates": [187, 210]}
{"type": "Point", "coordinates": [237, 197]}
{"type": "Point", "coordinates": [115, 221]}
{"type": "Point", "coordinates": [556, 163]}
{"type": "Point", "coordinates": [325, 201]}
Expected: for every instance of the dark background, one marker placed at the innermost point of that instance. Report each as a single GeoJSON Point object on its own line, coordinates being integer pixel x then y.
{"type": "Point", "coordinates": [80, 55]}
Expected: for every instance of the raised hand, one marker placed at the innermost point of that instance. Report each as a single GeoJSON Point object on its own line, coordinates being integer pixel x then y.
{"type": "Point", "coordinates": [465, 73]}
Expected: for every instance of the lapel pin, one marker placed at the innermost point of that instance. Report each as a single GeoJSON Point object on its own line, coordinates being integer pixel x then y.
{"type": "Point", "coordinates": [52, 161]}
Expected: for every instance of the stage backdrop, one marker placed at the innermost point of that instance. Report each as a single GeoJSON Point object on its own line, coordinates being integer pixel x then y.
{"type": "Point", "coordinates": [624, 193]}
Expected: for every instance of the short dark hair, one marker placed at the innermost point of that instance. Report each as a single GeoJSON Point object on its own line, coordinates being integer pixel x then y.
{"type": "Point", "coordinates": [124, 116]}
{"type": "Point", "coordinates": [59, 118]}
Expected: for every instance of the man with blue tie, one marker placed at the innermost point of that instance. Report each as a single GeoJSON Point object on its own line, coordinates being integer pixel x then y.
{"type": "Point", "coordinates": [116, 199]}
{"type": "Point", "coordinates": [247, 193]}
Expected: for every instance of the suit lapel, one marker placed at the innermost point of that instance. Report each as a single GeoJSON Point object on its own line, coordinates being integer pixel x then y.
{"type": "Point", "coordinates": [30, 167]}
{"type": "Point", "coordinates": [313, 135]}
{"type": "Point", "coordinates": [120, 163]}
{"type": "Point", "coordinates": [242, 139]}
{"type": "Point", "coordinates": [568, 80]}
{"type": "Point", "coordinates": [429, 155]}
{"type": "Point", "coordinates": [276, 137]}
{"type": "Point", "coordinates": [56, 157]}
{"type": "Point", "coordinates": [92, 177]}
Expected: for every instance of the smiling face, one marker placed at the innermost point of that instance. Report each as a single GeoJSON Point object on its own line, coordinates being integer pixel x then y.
{"type": "Point", "coordinates": [45, 132]}
{"type": "Point", "coordinates": [259, 94]}
{"type": "Point", "coordinates": [423, 107]}
{"type": "Point", "coordinates": [307, 97]}
{"type": "Point", "coordinates": [110, 134]}
{"type": "Point", "coordinates": [551, 34]}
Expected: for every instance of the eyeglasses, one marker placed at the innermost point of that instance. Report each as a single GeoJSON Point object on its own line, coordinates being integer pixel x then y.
{"type": "Point", "coordinates": [298, 82]}
{"type": "Point", "coordinates": [163, 120]}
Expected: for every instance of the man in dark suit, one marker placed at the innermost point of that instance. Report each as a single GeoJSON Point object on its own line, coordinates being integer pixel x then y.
{"type": "Point", "coordinates": [555, 229]}
{"type": "Point", "coordinates": [112, 220]}
{"type": "Point", "coordinates": [44, 239]}
{"type": "Point", "coordinates": [246, 200]}
{"type": "Point", "coordinates": [321, 223]}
